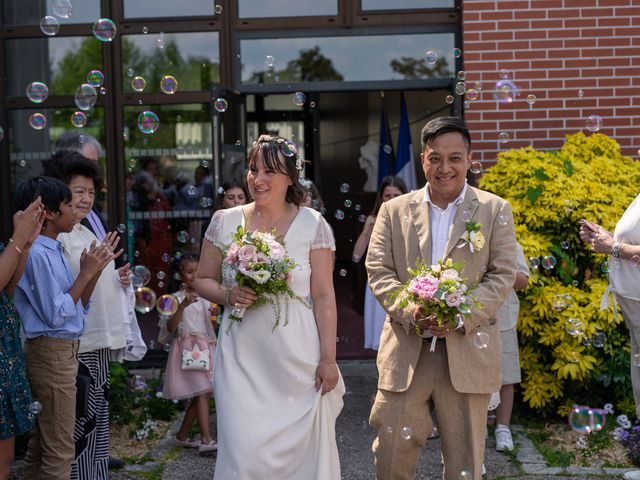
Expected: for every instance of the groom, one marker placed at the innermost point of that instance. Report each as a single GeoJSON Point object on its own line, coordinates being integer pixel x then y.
{"type": "Point", "coordinates": [458, 377]}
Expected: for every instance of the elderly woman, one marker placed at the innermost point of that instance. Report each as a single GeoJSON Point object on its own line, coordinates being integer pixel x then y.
{"type": "Point", "coordinates": [624, 281]}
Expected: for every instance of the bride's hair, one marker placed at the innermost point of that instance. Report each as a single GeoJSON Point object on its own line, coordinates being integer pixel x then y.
{"type": "Point", "coordinates": [281, 155]}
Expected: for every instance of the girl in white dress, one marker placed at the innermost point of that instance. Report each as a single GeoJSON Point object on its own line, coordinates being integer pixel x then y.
{"type": "Point", "coordinates": [374, 314]}
{"type": "Point", "coordinates": [278, 390]}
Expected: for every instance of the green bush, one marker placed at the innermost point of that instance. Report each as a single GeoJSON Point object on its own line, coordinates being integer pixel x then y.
{"type": "Point", "coordinates": [549, 192]}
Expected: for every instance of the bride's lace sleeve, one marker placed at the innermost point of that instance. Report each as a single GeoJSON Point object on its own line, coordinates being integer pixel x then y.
{"type": "Point", "coordinates": [214, 232]}
{"type": "Point", "coordinates": [324, 236]}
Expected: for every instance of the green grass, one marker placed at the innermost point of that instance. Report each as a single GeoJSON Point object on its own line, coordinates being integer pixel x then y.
{"type": "Point", "coordinates": [554, 457]}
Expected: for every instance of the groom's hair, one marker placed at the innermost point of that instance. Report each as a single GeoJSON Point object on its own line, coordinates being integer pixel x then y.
{"type": "Point", "coordinates": [440, 126]}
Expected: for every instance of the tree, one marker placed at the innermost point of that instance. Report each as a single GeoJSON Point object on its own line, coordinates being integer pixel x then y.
{"type": "Point", "coordinates": [310, 66]}
{"type": "Point", "coordinates": [416, 68]}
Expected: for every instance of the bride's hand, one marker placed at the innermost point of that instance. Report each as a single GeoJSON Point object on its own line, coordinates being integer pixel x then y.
{"type": "Point", "coordinates": [326, 376]}
{"type": "Point", "coordinates": [242, 297]}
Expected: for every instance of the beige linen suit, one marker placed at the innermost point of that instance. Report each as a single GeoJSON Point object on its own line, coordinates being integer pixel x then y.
{"type": "Point", "coordinates": [458, 377]}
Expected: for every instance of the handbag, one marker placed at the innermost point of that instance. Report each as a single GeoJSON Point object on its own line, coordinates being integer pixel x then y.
{"type": "Point", "coordinates": [83, 385]}
{"type": "Point", "coordinates": [195, 359]}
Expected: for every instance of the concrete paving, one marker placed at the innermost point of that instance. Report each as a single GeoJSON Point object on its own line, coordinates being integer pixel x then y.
{"type": "Point", "coordinates": [354, 437]}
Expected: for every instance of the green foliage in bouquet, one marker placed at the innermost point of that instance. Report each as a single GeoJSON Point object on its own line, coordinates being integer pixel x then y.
{"type": "Point", "coordinates": [549, 192]}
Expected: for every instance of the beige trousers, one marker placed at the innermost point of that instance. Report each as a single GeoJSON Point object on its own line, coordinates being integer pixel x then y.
{"type": "Point", "coordinates": [403, 422]}
{"type": "Point", "coordinates": [52, 367]}
{"type": "Point", "coordinates": [631, 313]}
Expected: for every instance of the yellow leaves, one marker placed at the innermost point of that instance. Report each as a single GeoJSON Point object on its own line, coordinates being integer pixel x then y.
{"type": "Point", "coordinates": [549, 192]}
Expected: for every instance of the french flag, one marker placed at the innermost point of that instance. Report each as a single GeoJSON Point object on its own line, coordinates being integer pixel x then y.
{"type": "Point", "coordinates": [405, 164]}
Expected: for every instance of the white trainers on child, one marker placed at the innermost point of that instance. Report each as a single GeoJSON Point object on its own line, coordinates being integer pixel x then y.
{"type": "Point", "coordinates": [503, 438]}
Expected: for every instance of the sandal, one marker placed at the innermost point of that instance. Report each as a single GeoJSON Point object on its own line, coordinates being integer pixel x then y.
{"type": "Point", "coordinates": [212, 446]}
{"type": "Point", "coordinates": [189, 442]}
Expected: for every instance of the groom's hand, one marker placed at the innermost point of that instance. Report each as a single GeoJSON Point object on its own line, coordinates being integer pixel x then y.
{"type": "Point", "coordinates": [439, 331]}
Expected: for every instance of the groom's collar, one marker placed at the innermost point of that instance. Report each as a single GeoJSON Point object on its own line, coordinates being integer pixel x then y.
{"type": "Point", "coordinates": [456, 201]}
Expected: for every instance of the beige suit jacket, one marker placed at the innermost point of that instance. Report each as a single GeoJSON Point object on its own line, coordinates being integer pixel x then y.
{"type": "Point", "coordinates": [401, 235]}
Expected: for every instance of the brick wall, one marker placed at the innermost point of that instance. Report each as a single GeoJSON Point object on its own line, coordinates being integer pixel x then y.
{"type": "Point", "coordinates": [578, 57]}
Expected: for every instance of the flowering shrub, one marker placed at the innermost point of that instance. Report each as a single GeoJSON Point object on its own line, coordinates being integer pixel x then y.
{"type": "Point", "coordinates": [549, 192]}
{"type": "Point", "coordinates": [629, 436]}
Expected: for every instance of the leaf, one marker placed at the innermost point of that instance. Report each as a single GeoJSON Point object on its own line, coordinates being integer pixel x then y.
{"type": "Point", "coordinates": [568, 167]}
{"type": "Point", "coordinates": [533, 193]}
{"type": "Point", "coordinates": [540, 174]}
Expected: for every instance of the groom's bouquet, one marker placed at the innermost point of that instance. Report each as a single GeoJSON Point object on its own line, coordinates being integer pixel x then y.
{"type": "Point", "coordinates": [440, 290]}
{"type": "Point", "coordinates": [261, 263]}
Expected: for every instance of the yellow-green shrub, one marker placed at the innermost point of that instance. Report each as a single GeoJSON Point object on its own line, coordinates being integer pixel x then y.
{"type": "Point", "coordinates": [549, 192]}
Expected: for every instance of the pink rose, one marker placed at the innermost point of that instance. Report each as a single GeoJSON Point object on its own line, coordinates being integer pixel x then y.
{"type": "Point", "coordinates": [276, 251]}
{"type": "Point", "coordinates": [261, 258]}
{"type": "Point", "coordinates": [424, 287]}
{"type": "Point", "coordinates": [454, 299]}
{"type": "Point", "coordinates": [247, 254]}
{"type": "Point", "coordinates": [232, 254]}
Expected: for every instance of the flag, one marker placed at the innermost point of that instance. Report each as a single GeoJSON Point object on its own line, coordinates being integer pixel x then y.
{"type": "Point", "coordinates": [385, 155]}
{"type": "Point", "coordinates": [405, 164]}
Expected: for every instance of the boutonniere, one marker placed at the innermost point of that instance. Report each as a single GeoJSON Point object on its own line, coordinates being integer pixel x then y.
{"type": "Point", "coordinates": [472, 237]}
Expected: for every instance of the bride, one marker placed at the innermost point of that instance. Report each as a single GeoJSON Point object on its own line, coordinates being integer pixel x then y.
{"type": "Point", "coordinates": [278, 390]}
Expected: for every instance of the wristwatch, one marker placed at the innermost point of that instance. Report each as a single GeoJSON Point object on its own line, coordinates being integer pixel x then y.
{"type": "Point", "coordinates": [615, 251]}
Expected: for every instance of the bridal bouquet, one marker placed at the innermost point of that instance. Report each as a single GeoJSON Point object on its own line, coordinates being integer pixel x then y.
{"type": "Point", "coordinates": [261, 263]}
{"type": "Point", "coordinates": [440, 290]}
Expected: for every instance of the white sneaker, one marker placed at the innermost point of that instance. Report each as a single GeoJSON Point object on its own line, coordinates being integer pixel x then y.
{"type": "Point", "coordinates": [484, 470]}
{"type": "Point", "coordinates": [632, 475]}
{"type": "Point", "coordinates": [504, 440]}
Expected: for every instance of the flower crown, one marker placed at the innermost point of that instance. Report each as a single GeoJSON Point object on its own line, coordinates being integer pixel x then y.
{"type": "Point", "coordinates": [287, 148]}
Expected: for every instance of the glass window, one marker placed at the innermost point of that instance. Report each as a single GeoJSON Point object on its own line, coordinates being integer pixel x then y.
{"type": "Point", "coordinates": [317, 59]}
{"type": "Point", "coordinates": [193, 59]}
{"type": "Point", "coordinates": [406, 4]}
{"type": "Point", "coordinates": [19, 12]}
{"type": "Point", "coordinates": [286, 8]}
{"type": "Point", "coordinates": [62, 63]}
{"type": "Point", "coordinates": [28, 146]}
{"type": "Point", "coordinates": [169, 185]}
{"type": "Point", "coordinates": [168, 8]}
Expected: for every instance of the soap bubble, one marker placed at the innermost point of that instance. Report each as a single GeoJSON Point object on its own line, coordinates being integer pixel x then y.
{"type": "Point", "coordinates": [169, 84]}
{"type": "Point", "coordinates": [138, 382]}
{"type": "Point", "coordinates": [534, 262]}
{"type": "Point", "coordinates": [457, 53]}
{"type": "Point", "coordinates": [339, 214]}
{"type": "Point", "coordinates": [37, 121]}
{"type": "Point", "coordinates": [206, 202]}
{"type": "Point", "coordinates": [167, 348]}
{"type": "Point", "coordinates": [343, 272]}
{"type": "Point", "coordinates": [460, 88]}
{"type": "Point", "coordinates": [160, 275]}
{"type": "Point", "coordinates": [362, 218]}
{"type": "Point", "coordinates": [505, 74]}
{"type": "Point", "coordinates": [299, 98]}
{"type": "Point", "coordinates": [599, 340]}
{"type": "Point", "coordinates": [466, 216]}
{"type": "Point", "coordinates": [95, 78]}
{"type": "Point", "coordinates": [585, 419]}
{"type": "Point", "coordinates": [635, 360]}
{"type": "Point", "coordinates": [503, 137]}
{"type": "Point", "coordinates": [565, 245]}
{"type": "Point", "coordinates": [476, 167]}
{"type": "Point", "coordinates": [472, 94]}
{"type": "Point", "coordinates": [138, 83]}
{"type": "Point", "coordinates": [78, 119]}
{"type": "Point", "coordinates": [148, 122]}
{"type": "Point", "coordinates": [481, 340]}
{"type": "Point", "coordinates": [141, 276]}
{"type": "Point", "coordinates": [145, 30]}
{"type": "Point", "coordinates": [449, 99]}
{"type": "Point", "coordinates": [549, 262]}
{"type": "Point", "coordinates": [462, 75]}
{"type": "Point", "coordinates": [167, 305]}
{"type": "Point", "coordinates": [344, 187]}
{"type": "Point", "coordinates": [145, 299]}
{"type": "Point", "coordinates": [431, 57]}
{"type": "Point", "coordinates": [85, 97]}
{"type": "Point", "coordinates": [348, 203]}
{"type": "Point", "coordinates": [62, 8]}
{"type": "Point", "coordinates": [183, 236]}
{"type": "Point", "coordinates": [574, 327]}
{"type": "Point", "coordinates": [104, 30]}
{"type": "Point", "coordinates": [35, 407]}
{"type": "Point", "coordinates": [221, 105]}
{"type": "Point", "coordinates": [466, 475]}
{"type": "Point", "coordinates": [506, 91]}
{"type": "Point", "coordinates": [503, 219]}
{"type": "Point", "coordinates": [269, 61]}
{"type": "Point", "coordinates": [561, 301]}
{"type": "Point", "coordinates": [218, 9]}
{"type": "Point", "coordinates": [604, 267]}
{"type": "Point", "coordinates": [121, 228]}
{"type": "Point", "coordinates": [531, 99]}
{"type": "Point", "coordinates": [593, 123]}
{"type": "Point", "coordinates": [37, 92]}
{"type": "Point", "coordinates": [49, 25]}
{"type": "Point", "coordinates": [387, 149]}
{"type": "Point", "coordinates": [406, 433]}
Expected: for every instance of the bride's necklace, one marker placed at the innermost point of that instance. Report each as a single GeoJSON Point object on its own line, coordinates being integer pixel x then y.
{"type": "Point", "coordinates": [278, 227]}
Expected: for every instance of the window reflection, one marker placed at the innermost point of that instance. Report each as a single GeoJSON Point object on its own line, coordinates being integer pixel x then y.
{"type": "Point", "coordinates": [168, 8]}
{"type": "Point", "coordinates": [406, 4]}
{"type": "Point", "coordinates": [193, 59]}
{"type": "Point", "coordinates": [286, 8]}
{"type": "Point", "coordinates": [169, 186]}
{"type": "Point", "coordinates": [380, 57]}
{"type": "Point", "coordinates": [19, 12]}
{"type": "Point", "coordinates": [28, 147]}
{"type": "Point", "coordinates": [61, 62]}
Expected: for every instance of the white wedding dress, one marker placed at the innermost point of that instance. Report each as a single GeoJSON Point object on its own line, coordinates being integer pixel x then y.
{"type": "Point", "coordinates": [272, 423]}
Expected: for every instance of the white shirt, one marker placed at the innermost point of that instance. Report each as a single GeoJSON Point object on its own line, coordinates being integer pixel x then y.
{"type": "Point", "coordinates": [507, 314]}
{"type": "Point", "coordinates": [624, 277]}
{"type": "Point", "coordinates": [104, 327]}
{"type": "Point", "coordinates": [441, 222]}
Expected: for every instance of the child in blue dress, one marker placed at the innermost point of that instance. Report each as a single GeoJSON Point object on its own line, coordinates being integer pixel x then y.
{"type": "Point", "coordinates": [15, 394]}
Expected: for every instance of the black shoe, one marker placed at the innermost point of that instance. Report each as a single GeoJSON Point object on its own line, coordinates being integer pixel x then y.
{"type": "Point", "coordinates": [115, 463]}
